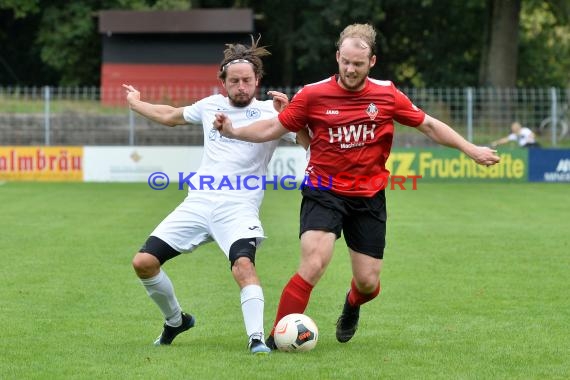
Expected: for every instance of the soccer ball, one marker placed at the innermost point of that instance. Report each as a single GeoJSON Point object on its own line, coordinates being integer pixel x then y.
{"type": "Point", "coordinates": [296, 332]}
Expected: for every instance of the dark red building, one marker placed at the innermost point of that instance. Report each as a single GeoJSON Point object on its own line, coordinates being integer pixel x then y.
{"type": "Point", "coordinates": [173, 56]}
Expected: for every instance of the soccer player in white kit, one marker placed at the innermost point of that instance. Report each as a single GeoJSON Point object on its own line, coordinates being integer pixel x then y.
{"type": "Point", "coordinates": [218, 206]}
{"type": "Point", "coordinates": [522, 135]}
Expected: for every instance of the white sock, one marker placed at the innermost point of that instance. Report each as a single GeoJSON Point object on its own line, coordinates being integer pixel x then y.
{"type": "Point", "coordinates": [252, 303]}
{"type": "Point", "coordinates": [160, 290]}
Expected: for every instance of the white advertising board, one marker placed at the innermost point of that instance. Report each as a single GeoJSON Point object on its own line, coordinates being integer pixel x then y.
{"type": "Point", "coordinates": [136, 164]}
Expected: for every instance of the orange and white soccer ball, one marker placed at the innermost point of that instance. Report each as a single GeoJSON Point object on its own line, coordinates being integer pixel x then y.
{"type": "Point", "coordinates": [296, 332]}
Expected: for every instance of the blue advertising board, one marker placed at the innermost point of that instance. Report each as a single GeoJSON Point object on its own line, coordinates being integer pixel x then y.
{"type": "Point", "coordinates": [549, 165]}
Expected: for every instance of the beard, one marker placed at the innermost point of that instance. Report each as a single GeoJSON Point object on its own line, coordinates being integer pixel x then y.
{"type": "Point", "coordinates": [240, 99]}
{"type": "Point", "coordinates": [353, 83]}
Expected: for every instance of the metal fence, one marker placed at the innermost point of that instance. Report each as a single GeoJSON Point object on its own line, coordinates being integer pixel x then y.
{"type": "Point", "coordinates": [86, 116]}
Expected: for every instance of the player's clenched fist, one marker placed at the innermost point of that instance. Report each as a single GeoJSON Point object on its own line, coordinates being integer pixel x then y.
{"type": "Point", "coordinates": [280, 100]}
{"type": "Point", "coordinates": [485, 156]}
{"type": "Point", "coordinates": [223, 124]}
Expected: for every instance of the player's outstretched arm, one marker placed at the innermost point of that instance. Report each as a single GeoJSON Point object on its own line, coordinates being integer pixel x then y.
{"type": "Point", "coordinates": [500, 141]}
{"type": "Point", "coordinates": [160, 113]}
{"type": "Point", "coordinates": [443, 134]}
{"type": "Point", "coordinates": [260, 131]}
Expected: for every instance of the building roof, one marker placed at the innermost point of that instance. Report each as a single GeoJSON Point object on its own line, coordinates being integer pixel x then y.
{"type": "Point", "coordinates": [192, 21]}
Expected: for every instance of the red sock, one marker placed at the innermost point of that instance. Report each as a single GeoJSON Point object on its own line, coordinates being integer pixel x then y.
{"type": "Point", "coordinates": [356, 298]}
{"type": "Point", "coordinates": [294, 298]}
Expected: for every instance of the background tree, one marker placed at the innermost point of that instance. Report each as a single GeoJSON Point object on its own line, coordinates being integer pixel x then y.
{"type": "Point", "coordinates": [544, 56]}
{"type": "Point", "coordinates": [431, 43]}
{"type": "Point", "coordinates": [20, 56]}
{"type": "Point", "coordinates": [435, 45]}
{"type": "Point", "coordinates": [57, 41]}
{"type": "Point", "coordinates": [499, 57]}
{"type": "Point", "coordinates": [20, 8]}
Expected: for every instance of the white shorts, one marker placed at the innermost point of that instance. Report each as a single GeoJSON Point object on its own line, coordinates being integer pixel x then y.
{"type": "Point", "coordinates": [202, 218]}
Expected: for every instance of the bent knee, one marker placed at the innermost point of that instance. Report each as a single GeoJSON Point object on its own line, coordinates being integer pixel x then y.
{"type": "Point", "coordinates": [244, 272]}
{"type": "Point", "coordinates": [145, 265]}
{"type": "Point", "coordinates": [243, 266]}
{"type": "Point", "coordinates": [368, 284]}
{"type": "Point", "coordinates": [243, 262]}
{"type": "Point", "coordinates": [312, 268]}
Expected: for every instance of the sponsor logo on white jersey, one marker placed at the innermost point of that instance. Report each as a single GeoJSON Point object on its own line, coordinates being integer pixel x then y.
{"type": "Point", "coordinates": [253, 113]}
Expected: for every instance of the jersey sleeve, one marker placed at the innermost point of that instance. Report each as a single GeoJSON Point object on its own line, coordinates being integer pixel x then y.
{"type": "Point", "coordinates": [294, 117]}
{"type": "Point", "coordinates": [290, 137]}
{"type": "Point", "coordinates": [193, 114]}
{"type": "Point", "coordinates": [406, 112]}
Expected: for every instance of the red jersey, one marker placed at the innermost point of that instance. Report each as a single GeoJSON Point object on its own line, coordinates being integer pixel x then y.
{"type": "Point", "coordinates": [351, 132]}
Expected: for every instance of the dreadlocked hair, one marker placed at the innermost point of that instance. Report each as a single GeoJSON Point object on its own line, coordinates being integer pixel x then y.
{"type": "Point", "coordinates": [238, 53]}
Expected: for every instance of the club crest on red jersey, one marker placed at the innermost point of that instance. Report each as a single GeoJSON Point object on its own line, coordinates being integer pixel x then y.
{"type": "Point", "coordinates": [372, 111]}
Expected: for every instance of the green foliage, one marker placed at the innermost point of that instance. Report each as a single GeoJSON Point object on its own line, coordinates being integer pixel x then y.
{"type": "Point", "coordinates": [172, 5]}
{"type": "Point", "coordinates": [21, 8]}
{"type": "Point", "coordinates": [545, 46]}
{"type": "Point", "coordinates": [20, 56]}
{"type": "Point", "coordinates": [435, 45]}
{"type": "Point", "coordinates": [318, 32]}
{"type": "Point", "coordinates": [66, 36]}
{"type": "Point", "coordinates": [70, 41]}
{"type": "Point", "coordinates": [421, 43]}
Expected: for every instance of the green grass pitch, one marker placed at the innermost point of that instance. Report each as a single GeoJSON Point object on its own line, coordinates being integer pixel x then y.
{"type": "Point", "coordinates": [475, 283]}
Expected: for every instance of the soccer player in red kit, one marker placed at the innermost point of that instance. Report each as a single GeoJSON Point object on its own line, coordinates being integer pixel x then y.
{"type": "Point", "coordinates": [350, 117]}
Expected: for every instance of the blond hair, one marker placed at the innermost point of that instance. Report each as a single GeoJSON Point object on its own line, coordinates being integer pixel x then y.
{"type": "Point", "coordinates": [364, 32]}
{"type": "Point", "coordinates": [238, 53]}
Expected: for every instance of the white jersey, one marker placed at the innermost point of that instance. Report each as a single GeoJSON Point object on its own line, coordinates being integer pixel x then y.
{"type": "Point", "coordinates": [221, 203]}
{"type": "Point", "coordinates": [525, 136]}
{"type": "Point", "coordinates": [230, 166]}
